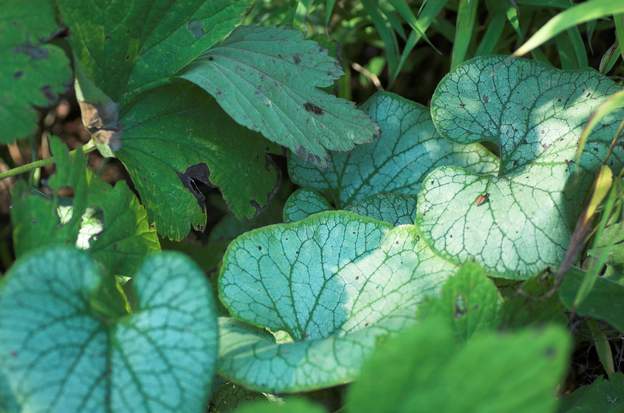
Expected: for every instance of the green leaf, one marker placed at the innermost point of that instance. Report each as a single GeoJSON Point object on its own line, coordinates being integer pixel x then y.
{"type": "Point", "coordinates": [304, 202]}
{"type": "Point", "coordinates": [332, 284]}
{"type": "Point", "coordinates": [132, 46]}
{"type": "Point", "coordinates": [532, 304]}
{"type": "Point", "coordinates": [107, 221]}
{"type": "Point", "coordinates": [580, 13]}
{"type": "Point", "coordinates": [173, 151]}
{"type": "Point", "coordinates": [391, 208]}
{"type": "Point", "coordinates": [604, 396]}
{"type": "Point", "coordinates": [291, 406]}
{"type": "Point", "coordinates": [604, 302]}
{"type": "Point", "coordinates": [515, 223]}
{"type": "Point", "coordinates": [268, 80]}
{"type": "Point", "coordinates": [469, 303]}
{"type": "Point", "coordinates": [396, 163]}
{"type": "Point", "coordinates": [63, 352]}
{"type": "Point", "coordinates": [466, 21]}
{"type": "Point", "coordinates": [229, 396]}
{"type": "Point", "coordinates": [33, 73]}
{"type": "Point", "coordinates": [425, 370]}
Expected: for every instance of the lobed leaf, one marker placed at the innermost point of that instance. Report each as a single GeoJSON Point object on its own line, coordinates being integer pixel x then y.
{"type": "Point", "coordinates": [174, 152]}
{"type": "Point", "coordinates": [125, 47]}
{"type": "Point", "coordinates": [86, 212]}
{"type": "Point", "coordinates": [33, 73]}
{"type": "Point", "coordinates": [268, 80]}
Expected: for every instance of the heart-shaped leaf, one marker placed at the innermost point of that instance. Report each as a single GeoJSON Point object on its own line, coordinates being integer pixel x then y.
{"type": "Point", "coordinates": [65, 349]}
{"type": "Point", "coordinates": [176, 143]}
{"type": "Point", "coordinates": [517, 222]}
{"type": "Point", "coordinates": [333, 282]}
{"type": "Point", "coordinates": [394, 209]}
{"type": "Point", "coordinates": [32, 73]}
{"type": "Point", "coordinates": [131, 46]}
{"type": "Point", "coordinates": [395, 164]}
{"type": "Point", "coordinates": [84, 211]}
{"type": "Point", "coordinates": [268, 80]}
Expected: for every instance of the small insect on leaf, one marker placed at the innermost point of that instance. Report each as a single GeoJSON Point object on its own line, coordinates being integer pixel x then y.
{"type": "Point", "coordinates": [482, 199]}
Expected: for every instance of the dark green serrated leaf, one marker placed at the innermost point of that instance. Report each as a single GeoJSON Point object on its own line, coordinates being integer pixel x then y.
{"type": "Point", "coordinates": [269, 80]}
{"type": "Point", "coordinates": [173, 151]}
{"type": "Point", "coordinates": [33, 73]}
{"type": "Point", "coordinates": [63, 351]}
{"type": "Point", "coordinates": [83, 211]}
{"type": "Point", "coordinates": [517, 222]}
{"type": "Point", "coordinates": [125, 47]}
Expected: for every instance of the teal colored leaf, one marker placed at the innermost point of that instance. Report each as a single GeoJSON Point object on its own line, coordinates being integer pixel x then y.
{"type": "Point", "coordinates": [291, 406]}
{"type": "Point", "coordinates": [328, 286]}
{"type": "Point", "coordinates": [66, 350]}
{"type": "Point", "coordinates": [424, 369]}
{"type": "Point", "coordinates": [176, 143]}
{"type": "Point", "coordinates": [394, 209]}
{"type": "Point", "coordinates": [469, 303]}
{"type": "Point", "coordinates": [604, 396]}
{"type": "Point", "coordinates": [304, 202]}
{"type": "Point", "coordinates": [131, 46]}
{"type": "Point", "coordinates": [515, 222]}
{"type": "Point", "coordinates": [8, 404]}
{"type": "Point", "coordinates": [270, 81]}
{"type": "Point", "coordinates": [604, 302]}
{"type": "Point", "coordinates": [396, 163]}
{"type": "Point", "coordinates": [33, 73]}
{"type": "Point", "coordinates": [83, 211]}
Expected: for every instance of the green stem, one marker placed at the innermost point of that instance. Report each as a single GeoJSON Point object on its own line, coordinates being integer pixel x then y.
{"type": "Point", "coordinates": [88, 147]}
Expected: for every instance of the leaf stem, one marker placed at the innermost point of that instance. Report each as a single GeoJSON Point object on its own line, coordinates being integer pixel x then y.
{"type": "Point", "coordinates": [86, 148]}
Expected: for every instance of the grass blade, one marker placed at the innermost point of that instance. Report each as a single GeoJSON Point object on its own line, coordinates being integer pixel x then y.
{"type": "Point", "coordinates": [581, 13]}
{"type": "Point", "coordinates": [466, 19]}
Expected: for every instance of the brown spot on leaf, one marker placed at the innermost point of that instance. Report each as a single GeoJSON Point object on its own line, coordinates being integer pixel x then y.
{"type": "Point", "coordinates": [486, 99]}
{"type": "Point", "coordinates": [18, 74]}
{"type": "Point", "coordinates": [35, 52]}
{"type": "Point", "coordinates": [297, 59]}
{"type": "Point", "coordinates": [312, 108]}
{"type": "Point", "coordinates": [196, 179]}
